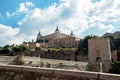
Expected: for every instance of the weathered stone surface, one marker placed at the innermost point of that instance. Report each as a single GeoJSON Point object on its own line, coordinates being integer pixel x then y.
{"type": "Point", "coordinates": [99, 52]}
{"type": "Point", "coordinates": [30, 73]}
{"type": "Point", "coordinates": [109, 76]}
{"type": "Point", "coordinates": [46, 63]}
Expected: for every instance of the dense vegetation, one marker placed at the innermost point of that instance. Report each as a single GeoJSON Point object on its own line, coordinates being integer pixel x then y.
{"type": "Point", "coordinates": [19, 48]}
{"type": "Point", "coordinates": [114, 43]}
{"type": "Point", "coordinates": [83, 45]}
{"type": "Point", "coordinates": [5, 49]}
{"type": "Point", "coordinates": [115, 67]}
{"type": "Point", "coordinates": [9, 49]}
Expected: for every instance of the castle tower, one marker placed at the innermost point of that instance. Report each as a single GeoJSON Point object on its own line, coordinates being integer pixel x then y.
{"type": "Point", "coordinates": [57, 33]}
{"type": "Point", "coordinates": [99, 54]}
{"type": "Point", "coordinates": [39, 36]}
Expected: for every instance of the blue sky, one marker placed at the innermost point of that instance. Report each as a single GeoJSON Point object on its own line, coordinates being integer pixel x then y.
{"type": "Point", "coordinates": [21, 20]}
{"type": "Point", "coordinates": [12, 5]}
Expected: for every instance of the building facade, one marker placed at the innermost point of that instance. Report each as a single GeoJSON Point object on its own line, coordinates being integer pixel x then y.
{"type": "Point", "coordinates": [58, 39]}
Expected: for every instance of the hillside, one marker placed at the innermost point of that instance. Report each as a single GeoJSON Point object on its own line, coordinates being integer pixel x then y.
{"type": "Point", "coordinates": [115, 34]}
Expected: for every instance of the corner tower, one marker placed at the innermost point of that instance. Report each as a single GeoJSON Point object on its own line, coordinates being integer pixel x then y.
{"type": "Point", "coordinates": [71, 34]}
{"type": "Point", "coordinates": [57, 30]}
{"type": "Point", "coordinates": [39, 36]}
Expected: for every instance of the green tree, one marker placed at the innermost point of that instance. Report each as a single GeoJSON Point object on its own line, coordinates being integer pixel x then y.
{"type": "Point", "coordinates": [112, 41]}
{"type": "Point", "coordinates": [83, 45]}
{"type": "Point", "coordinates": [15, 49]}
{"type": "Point", "coordinates": [115, 67]}
{"type": "Point", "coordinates": [19, 48]}
{"type": "Point", "coordinates": [38, 48]}
{"type": "Point", "coordinates": [5, 49]}
{"type": "Point", "coordinates": [117, 43]}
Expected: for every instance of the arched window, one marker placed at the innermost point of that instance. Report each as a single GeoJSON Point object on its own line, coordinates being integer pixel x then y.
{"type": "Point", "coordinates": [98, 59]}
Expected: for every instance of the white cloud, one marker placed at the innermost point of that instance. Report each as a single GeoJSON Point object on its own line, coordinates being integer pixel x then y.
{"type": "Point", "coordinates": [76, 15]}
{"type": "Point", "coordinates": [9, 35]}
{"type": "Point", "coordinates": [23, 8]}
{"type": "Point", "coordinates": [69, 15]}
{"type": "Point", "coordinates": [1, 17]}
{"type": "Point", "coordinates": [102, 27]}
{"type": "Point", "coordinates": [8, 14]}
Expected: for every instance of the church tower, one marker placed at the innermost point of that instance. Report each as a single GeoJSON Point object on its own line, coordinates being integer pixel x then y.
{"type": "Point", "coordinates": [39, 36]}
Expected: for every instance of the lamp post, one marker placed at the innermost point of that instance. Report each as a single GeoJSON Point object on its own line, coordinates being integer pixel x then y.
{"type": "Point", "coordinates": [38, 46]}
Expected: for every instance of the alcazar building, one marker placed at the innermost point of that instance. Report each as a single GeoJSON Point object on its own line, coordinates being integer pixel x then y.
{"type": "Point", "coordinates": [57, 39]}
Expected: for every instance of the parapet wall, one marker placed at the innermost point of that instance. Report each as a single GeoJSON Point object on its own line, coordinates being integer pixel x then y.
{"type": "Point", "coordinates": [12, 72]}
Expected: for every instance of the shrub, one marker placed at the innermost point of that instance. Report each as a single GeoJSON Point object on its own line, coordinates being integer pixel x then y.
{"type": "Point", "coordinates": [115, 67]}
{"type": "Point", "coordinates": [38, 48]}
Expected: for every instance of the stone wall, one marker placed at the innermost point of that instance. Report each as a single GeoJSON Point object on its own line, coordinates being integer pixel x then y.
{"type": "Point", "coordinates": [6, 59]}
{"type": "Point", "coordinates": [61, 55]}
{"type": "Point", "coordinates": [99, 52]}
{"type": "Point", "coordinates": [40, 62]}
{"type": "Point", "coordinates": [33, 73]}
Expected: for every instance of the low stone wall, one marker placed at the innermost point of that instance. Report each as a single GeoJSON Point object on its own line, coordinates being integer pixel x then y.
{"type": "Point", "coordinates": [41, 62]}
{"type": "Point", "coordinates": [10, 72]}
{"type": "Point", "coordinates": [6, 59]}
{"type": "Point", "coordinates": [61, 55]}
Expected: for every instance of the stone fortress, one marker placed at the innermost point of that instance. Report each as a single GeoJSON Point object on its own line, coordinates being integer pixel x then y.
{"type": "Point", "coordinates": [57, 39]}
{"type": "Point", "coordinates": [99, 60]}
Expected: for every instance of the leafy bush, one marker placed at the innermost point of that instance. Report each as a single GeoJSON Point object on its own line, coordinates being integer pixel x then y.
{"type": "Point", "coordinates": [115, 67]}
{"type": "Point", "coordinates": [38, 48]}
{"type": "Point", "coordinates": [19, 48]}
{"type": "Point", "coordinates": [83, 45]}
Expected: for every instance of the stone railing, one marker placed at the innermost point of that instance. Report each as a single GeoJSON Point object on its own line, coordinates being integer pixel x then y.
{"type": "Point", "coordinates": [13, 72]}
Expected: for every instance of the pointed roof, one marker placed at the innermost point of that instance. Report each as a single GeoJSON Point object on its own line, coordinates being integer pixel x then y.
{"type": "Point", "coordinates": [39, 34]}
{"type": "Point", "coordinates": [71, 33]}
{"type": "Point", "coordinates": [57, 29]}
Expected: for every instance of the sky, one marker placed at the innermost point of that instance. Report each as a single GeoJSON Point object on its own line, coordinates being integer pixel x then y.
{"type": "Point", "coordinates": [21, 20]}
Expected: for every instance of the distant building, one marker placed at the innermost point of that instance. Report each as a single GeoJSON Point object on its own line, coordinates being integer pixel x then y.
{"type": "Point", "coordinates": [57, 39]}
